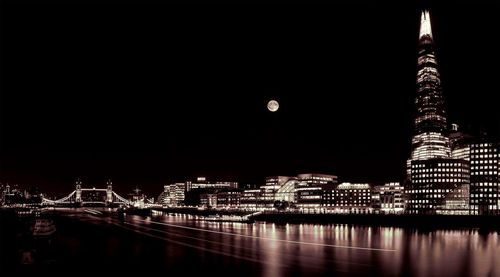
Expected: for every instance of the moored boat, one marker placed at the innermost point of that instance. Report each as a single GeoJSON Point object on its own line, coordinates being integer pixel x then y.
{"type": "Point", "coordinates": [43, 227]}
{"type": "Point", "coordinates": [229, 218]}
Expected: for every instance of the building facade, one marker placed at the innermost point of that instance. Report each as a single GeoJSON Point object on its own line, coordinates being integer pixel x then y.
{"type": "Point", "coordinates": [389, 198]}
{"type": "Point", "coordinates": [301, 192]}
{"type": "Point", "coordinates": [276, 190]}
{"type": "Point", "coordinates": [250, 199]}
{"type": "Point", "coordinates": [202, 183]}
{"type": "Point", "coordinates": [485, 177]}
{"type": "Point", "coordinates": [436, 180]}
{"type": "Point", "coordinates": [310, 187]}
{"type": "Point", "coordinates": [348, 198]}
{"type": "Point", "coordinates": [172, 195]}
{"type": "Point", "coordinates": [229, 198]}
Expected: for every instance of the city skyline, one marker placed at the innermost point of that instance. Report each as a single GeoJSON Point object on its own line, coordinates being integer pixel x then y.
{"type": "Point", "coordinates": [291, 140]}
{"type": "Point", "coordinates": [96, 135]}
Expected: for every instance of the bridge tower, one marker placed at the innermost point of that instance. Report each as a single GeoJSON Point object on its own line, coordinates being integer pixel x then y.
{"type": "Point", "coordinates": [78, 191]}
{"type": "Point", "coordinates": [109, 192]}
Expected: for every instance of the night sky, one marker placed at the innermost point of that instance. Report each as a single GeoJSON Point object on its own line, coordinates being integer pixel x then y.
{"type": "Point", "coordinates": [149, 95]}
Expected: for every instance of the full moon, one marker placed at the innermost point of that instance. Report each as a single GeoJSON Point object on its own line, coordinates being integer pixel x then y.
{"type": "Point", "coordinates": [273, 105]}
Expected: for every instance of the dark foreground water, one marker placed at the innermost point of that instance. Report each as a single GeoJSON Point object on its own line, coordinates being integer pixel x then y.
{"type": "Point", "coordinates": [181, 245]}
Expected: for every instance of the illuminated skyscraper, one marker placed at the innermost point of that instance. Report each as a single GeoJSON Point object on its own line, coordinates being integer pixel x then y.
{"type": "Point", "coordinates": [439, 182]}
{"type": "Point", "coordinates": [429, 141]}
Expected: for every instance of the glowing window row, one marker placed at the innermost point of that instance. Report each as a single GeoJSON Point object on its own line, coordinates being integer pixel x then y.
{"type": "Point", "coordinates": [432, 170]}
{"type": "Point", "coordinates": [484, 167]}
{"type": "Point", "coordinates": [439, 181]}
{"type": "Point", "coordinates": [484, 173]}
{"type": "Point", "coordinates": [483, 195]}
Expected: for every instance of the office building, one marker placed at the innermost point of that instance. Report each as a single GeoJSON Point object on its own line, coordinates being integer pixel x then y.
{"type": "Point", "coordinates": [436, 180]}
{"type": "Point", "coordinates": [485, 177]}
{"type": "Point", "coordinates": [389, 198]}
{"type": "Point", "coordinates": [202, 183]}
{"type": "Point", "coordinates": [348, 198]}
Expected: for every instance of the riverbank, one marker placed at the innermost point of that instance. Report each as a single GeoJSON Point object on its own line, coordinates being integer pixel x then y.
{"type": "Point", "coordinates": [193, 211]}
{"type": "Point", "coordinates": [411, 221]}
{"type": "Point", "coordinates": [404, 221]}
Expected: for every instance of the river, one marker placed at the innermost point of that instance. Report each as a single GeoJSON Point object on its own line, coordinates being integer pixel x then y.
{"type": "Point", "coordinates": [182, 245]}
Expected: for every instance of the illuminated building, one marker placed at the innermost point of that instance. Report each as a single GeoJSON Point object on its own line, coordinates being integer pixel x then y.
{"type": "Point", "coordinates": [429, 141]}
{"type": "Point", "coordinates": [309, 189]}
{"type": "Point", "coordinates": [460, 143]}
{"type": "Point", "coordinates": [287, 192]}
{"type": "Point", "coordinates": [13, 195]}
{"type": "Point", "coordinates": [461, 152]}
{"type": "Point", "coordinates": [229, 198]}
{"type": "Point", "coordinates": [203, 192]}
{"type": "Point", "coordinates": [314, 179]}
{"type": "Point", "coordinates": [348, 198]}
{"type": "Point", "coordinates": [208, 200]}
{"type": "Point", "coordinates": [4, 190]}
{"type": "Point", "coordinates": [136, 195]}
{"type": "Point", "coordinates": [250, 199]}
{"type": "Point", "coordinates": [172, 195]}
{"type": "Point", "coordinates": [389, 198]}
{"type": "Point", "coordinates": [303, 191]}
{"type": "Point", "coordinates": [268, 192]}
{"type": "Point", "coordinates": [436, 180]}
{"type": "Point", "coordinates": [438, 177]}
{"type": "Point", "coordinates": [485, 177]}
{"type": "Point", "coordinates": [276, 188]}
{"type": "Point", "coordinates": [164, 197]}
{"type": "Point", "coordinates": [201, 182]}
{"type": "Point", "coordinates": [456, 202]}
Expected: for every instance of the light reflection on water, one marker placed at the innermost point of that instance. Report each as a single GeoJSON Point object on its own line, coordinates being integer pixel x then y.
{"type": "Point", "coordinates": [416, 252]}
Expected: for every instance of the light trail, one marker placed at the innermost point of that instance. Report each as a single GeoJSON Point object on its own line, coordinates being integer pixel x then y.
{"type": "Point", "coordinates": [270, 239]}
{"type": "Point", "coordinates": [240, 247]}
{"type": "Point", "coordinates": [191, 245]}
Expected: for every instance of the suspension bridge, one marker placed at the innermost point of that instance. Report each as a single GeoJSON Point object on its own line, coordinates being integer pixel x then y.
{"type": "Point", "coordinates": [77, 197]}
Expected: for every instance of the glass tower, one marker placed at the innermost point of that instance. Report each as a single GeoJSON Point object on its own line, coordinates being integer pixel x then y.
{"type": "Point", "coordinates": [439, 183]}
{"type": "Point", "coordinates": [429, 141]}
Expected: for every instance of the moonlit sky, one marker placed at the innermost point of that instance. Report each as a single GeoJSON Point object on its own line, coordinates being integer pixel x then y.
{"type": "Point", "coordinates": [151, 95]}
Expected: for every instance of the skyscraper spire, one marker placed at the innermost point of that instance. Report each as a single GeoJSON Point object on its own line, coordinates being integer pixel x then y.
{"type": "Point", "coordinates": [425, 24]}
{"type": "Point", "coordinates": [430, 102]}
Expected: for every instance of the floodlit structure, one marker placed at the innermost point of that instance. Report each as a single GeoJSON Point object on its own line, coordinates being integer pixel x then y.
{"type": "Point", "coordinates": [429, 140]}
{"type": "Point", "coordinates": [434, 171]}
{"type": "Point", "coordinates": [435, 183]}
{"type": "Point", "coordinates": [202, 183]}
{"type": "Point", "coordinates": [310, 189]}
{"type": "Point", "coordinates": [348, 198]}
{"type": "Point", "coordinates": [90, 196]}
{"type": "Point", "coordinates": [485, 177]}
{"type": "Point", "coordinates": [389, 198]}
{"type": "Point", "coordinates": [172, 195]}
{"type": "Point", "coordinates": [229, 198]}
{"type": "Point", "coordinates": [303, 192]}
